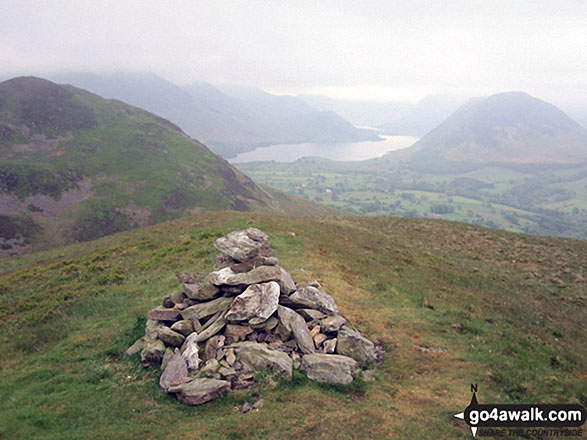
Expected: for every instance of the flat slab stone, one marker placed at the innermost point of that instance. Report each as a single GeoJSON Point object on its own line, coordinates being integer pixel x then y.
{"type": "Point", "coordinates": [259, 356]}
{"type": "Point", "coordinates": [330, 368]}
{"type": "Point", "coordinates": [314, 298]}
{"type": "Point", "coordinates": [208, 308]}
{"type": "Point", "coordinates": [260, 274]}
{"type": "Point", "coordinates": [175, 372]}
{"type": "Point", "coordinates": [170, 337]}
{"type": "Point", "coordinates": [164, 314]}
{"type": "Point", "coordinates": [200, 391]}
{"type": "Point", "coordinates": [256, 304]}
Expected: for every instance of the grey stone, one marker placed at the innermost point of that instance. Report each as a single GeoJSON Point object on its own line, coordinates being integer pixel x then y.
{"type": "Point", "coordinates": [189, 351]}
{"type": "Point", "coordinates": [170, 337]}
{"type": "Point", "coordinates": [314, 298]}
{"type": "Point", "coordinates": [212, 346]}
{"type": "Point", "coordinates": [208, 308]}
{"type": "Point", "coordinates": [332, 323]}
{"type": "Point", "coordinates": [216, 326]}
{"type": "Point", "coordinates": [152, 353]}
{"type": "Point", "coordinates": [260, 274]}
{"type": "Point", "coordinates": [175, 371]}
{"type": "Point", "coordinates": [166, 357]}
{"type": "Point", "coordinates": [151, 330]}
{"type": "Point", "coordinates": [177, 297]}
{"type": "Point", "coordinates": [256, 304]}
{"type": "Point", "coordinates": [203, 291]}
{"type": "Point", "coordinates": [243, 245]}
{"type": "Point", "coordinates": [237, 332]}
{"type": "Point", "coordinates": [351, 343]}
{"type": "Point", "coordinates": [164, 314]}
{"type": "Point", "coordinates": [200, 390]}
{"type": "Point", "coordinates": [311, 314]}
{"type": "Point", "coordinates": [259, 356]}
{"type": "Point", "coordinates": [330, 368]}
{"type": "Point", "coordinates": [329, 346]}
{"type": "Point", "coordinates": [286, 282]}
{"type": "Point", "coordinates": [136, 347]}
{"type": "Point", "coordinates": [291, 320]}
{"type": "Point", "coordinates": [185, 327]}
{"type": "Point", "coordinates": [266, 326]}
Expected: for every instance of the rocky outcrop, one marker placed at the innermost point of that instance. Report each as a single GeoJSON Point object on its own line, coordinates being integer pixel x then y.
{"type": "Point", "coordinates": [247, 315]}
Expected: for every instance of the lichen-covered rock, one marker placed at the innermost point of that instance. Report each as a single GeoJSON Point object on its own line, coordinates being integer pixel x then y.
{"type": "Point", "coordinates": [201, 291]}
{"type": "Point", "coordinates": [256, 304]}
{"type": "Point", "coordinates": [258, 356]}
{"type": "Point", "coordinates": [332, 323]}
{"type": "Point", "coordinates": [244, 245]}
{"type": "Point", "coordinates": [293, 322]}
{"type": "Point", "coordinates": [314, 298]}
{"type": "Point", "coordinates": [170, 337]}
{"type": "Point", "coordinates": [185, 327]}
{"type": "Point", "coordinates": [330, 368]}
{"type": "Point", "coordinates": [136, 347]}
{"type": "Point", "coordinates": [351, 343]}
{"type": "Point", "coordinates": [237, 332]}
{"type": "Point", "coordinates": [175, 371]}
{"type": "Point", "coordinates": [205, 309]}
{"type": "Point", "coordinates": [200, 390]}
{"type": "Point", "coordinates": [260, 274]}
{"type": "Point", "coordinates": [213, 326]}
{"type": "Point", "coordinates": [152, 353]}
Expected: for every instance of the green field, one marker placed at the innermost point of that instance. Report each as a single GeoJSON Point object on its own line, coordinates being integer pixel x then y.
{"type": "Point", "coordinates": [506, 311]}
{"type": "Point", "coordinates": [551, 202]}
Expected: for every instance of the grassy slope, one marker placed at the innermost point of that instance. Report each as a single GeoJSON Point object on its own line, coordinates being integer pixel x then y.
{"type": "Point", "coordinates": [139, 168]}
{"type": "Point", "coordinates": [510, 310]}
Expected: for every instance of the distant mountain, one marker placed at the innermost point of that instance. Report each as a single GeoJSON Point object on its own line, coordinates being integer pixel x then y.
{"type": "Point", "coordinates": [393, 118]}
{"type": "Point", "coordinates": [75, 167]}
{"type": "Point", "coordinates": [227, 124]}
{"type": "Point", "coordinates": [422, 117]}
{"type": "Point", "coordinates": [507, 128]}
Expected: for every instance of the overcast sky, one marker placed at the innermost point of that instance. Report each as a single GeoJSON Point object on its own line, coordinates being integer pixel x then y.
{"type": "Point", "coordinates": [379, 50]}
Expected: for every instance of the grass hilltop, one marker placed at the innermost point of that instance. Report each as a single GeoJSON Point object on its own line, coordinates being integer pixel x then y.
{"type": "Point", "coordinates": [454, 304]}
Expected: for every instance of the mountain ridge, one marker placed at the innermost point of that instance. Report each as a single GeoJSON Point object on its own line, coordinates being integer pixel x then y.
{"type": "Point", "coordinates": [227, 124]}
{"type": "Point", "coordinates": [75, 166]}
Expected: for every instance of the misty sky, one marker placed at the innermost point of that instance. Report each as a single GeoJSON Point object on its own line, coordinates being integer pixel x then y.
{"type": "Point", "coordinates": [370, 50]}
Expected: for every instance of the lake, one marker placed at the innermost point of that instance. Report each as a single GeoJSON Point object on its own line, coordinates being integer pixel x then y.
{"type": "Point", "coordinates": [346, 152]}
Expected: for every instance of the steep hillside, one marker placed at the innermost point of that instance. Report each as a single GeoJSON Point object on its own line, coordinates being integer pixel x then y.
{"type": "Point", "coordinates": [507, 128]}
{"type": "Point", "coordinates": [453, 304]}
{"type": "Point", "coordinates": [227, 124]}
{"type": "Point", "coordinates": [75, 167]}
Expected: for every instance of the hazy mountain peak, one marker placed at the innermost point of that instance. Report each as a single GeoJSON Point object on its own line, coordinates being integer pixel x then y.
{"type": "Point", "coordinates": [510, 127]}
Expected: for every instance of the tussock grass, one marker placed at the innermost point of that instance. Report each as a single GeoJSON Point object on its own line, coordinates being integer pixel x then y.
{"type": "Point", "coordinates": [492, 299]}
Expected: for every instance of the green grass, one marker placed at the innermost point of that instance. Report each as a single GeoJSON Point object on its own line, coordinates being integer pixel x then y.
{"type": "Point", "coordinates": [508, 308]}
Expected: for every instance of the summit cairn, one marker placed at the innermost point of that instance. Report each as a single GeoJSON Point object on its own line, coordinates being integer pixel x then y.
{"type": "Point", "coordinates": [248, 314]}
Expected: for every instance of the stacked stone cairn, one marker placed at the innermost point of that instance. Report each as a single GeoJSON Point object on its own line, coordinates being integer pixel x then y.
{"type": "Point", "coordinates": [248, 315]}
